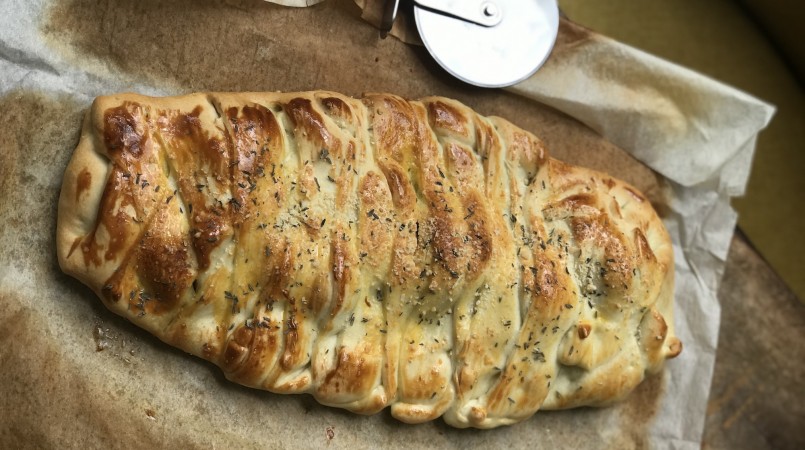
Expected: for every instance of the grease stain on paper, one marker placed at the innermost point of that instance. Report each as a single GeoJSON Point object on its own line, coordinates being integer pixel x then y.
{"type": "Point", "coordinates": [202, 45]}
{"type": "Point", "coordinates": [38, 131]}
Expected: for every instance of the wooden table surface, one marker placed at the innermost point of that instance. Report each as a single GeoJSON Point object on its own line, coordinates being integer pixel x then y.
{"type": "Point", "coordinates": [757, 399]}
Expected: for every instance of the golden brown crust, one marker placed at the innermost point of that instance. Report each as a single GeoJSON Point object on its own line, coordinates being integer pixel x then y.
{"type": "Point", "coordinates": [374, 252]}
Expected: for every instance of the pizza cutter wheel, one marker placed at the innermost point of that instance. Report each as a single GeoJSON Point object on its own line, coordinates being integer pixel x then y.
{"type": "Point", "coordinates": [487, 43]}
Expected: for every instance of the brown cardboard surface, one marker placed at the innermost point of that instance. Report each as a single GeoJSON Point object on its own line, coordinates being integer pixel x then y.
{"type": "Point", "coordinates": [75, 374]}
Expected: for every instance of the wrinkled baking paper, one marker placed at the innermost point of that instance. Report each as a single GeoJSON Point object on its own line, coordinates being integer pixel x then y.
{"type": "Point", "coordinates": [71, 372]}
{"type": "Point", "coordinates": [700, 135]}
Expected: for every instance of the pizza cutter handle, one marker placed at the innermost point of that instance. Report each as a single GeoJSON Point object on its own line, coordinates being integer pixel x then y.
{"type": "Point", "coordinates": [486, 13]}
{"type": "Point", "coordinates": [389, 16]}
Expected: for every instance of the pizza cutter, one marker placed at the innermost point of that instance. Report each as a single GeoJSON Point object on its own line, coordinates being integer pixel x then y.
{"type": "Point", "coordinates": [488, 43]}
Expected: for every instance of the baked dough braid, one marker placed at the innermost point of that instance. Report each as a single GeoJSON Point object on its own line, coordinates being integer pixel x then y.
{"type": "Point", "coordinates": [372, 252]}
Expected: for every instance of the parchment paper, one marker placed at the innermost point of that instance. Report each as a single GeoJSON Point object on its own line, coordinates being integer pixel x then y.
{"type": "Point", "coordinates": [72, 374]}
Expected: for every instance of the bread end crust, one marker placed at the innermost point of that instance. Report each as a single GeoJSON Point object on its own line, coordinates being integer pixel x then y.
{"type": "Point", "coordinates": [82, 188]}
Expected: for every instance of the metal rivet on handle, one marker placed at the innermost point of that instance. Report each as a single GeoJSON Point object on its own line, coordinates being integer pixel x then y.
{"type": "Point", "coordinates": [490, 9]}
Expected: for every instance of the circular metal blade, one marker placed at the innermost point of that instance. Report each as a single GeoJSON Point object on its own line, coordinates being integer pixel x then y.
{"type": "Point", "coordinates": [496, 56]}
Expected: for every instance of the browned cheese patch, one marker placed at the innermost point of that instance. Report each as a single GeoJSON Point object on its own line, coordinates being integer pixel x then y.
{"type": "Point", "coordinates": [201, 165]}
{"type": "Point", "coordinates": [165, 270]}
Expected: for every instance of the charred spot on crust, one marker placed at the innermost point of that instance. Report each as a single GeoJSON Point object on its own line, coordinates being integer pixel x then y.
{"type": "Point", "coordinates": [165, 271]}
{"type": "Point", "coordinates": [122, 132]}
{"type": "Point", "coordinates": [188, 124]}
{"type": "Point", "coordinates": [352, 374]}
{"type": "Point", "coordinates": [584, 330]}
{"type": "Point", "coordinates": [208, 232]}
{"type": "Point", "coordinates": [306, 119]}
{"type": "Point", "coordinates": [82, 183]}
{"type": "Point", "coordinates": [446, 117]}
{"type": "Point", "coordinates": [237, 349]}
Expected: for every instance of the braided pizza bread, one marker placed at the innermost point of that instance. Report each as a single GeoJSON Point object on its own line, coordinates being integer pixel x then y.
{"type": "Point", "coordinates": [372, 252]}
